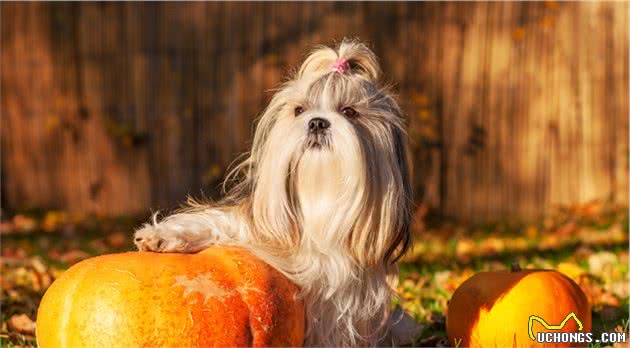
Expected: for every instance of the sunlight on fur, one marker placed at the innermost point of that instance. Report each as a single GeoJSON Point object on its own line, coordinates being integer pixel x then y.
{"type": "Point", "coordinates": [324, 196]}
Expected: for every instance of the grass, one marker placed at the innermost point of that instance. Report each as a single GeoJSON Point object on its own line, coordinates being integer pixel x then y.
{"type": "Point", "coordinates": [589, 244]}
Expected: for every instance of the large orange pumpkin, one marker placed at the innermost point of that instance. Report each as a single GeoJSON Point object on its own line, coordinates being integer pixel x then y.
{"type": "Point", "coordinates": [495, 309]}
{"type": "Point", "coordinates": [222, 296]}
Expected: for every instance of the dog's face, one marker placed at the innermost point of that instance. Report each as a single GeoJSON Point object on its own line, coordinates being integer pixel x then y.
{"type": "Point", "coordinates": [328, 166]}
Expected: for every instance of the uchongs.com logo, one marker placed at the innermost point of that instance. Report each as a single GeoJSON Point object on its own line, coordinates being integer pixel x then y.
{"type": "Point", "coordinates": [570, 337]}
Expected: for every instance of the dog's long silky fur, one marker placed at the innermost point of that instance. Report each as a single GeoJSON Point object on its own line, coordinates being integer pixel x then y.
{"type": "Point", "coordinates": [331, 212]}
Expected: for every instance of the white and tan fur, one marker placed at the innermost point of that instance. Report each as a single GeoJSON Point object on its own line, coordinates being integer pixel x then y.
{"type": "Point", "coordinates": [330, 210]}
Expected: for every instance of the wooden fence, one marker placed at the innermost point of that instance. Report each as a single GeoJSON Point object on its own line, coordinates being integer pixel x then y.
{"type": "Point", "coordinates": [120, 108]}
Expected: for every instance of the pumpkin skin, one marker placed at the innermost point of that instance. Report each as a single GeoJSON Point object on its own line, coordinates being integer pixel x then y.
{"type": "Point", "coordinates": [492, 309]}
{"type": "Point", "coordinates": [222, 296]}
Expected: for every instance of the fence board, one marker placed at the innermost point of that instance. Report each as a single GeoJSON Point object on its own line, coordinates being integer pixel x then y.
{"type": "Point", "coordinates": [119, 108]}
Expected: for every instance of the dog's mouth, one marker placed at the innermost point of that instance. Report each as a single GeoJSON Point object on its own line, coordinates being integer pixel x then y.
{"type": "Point", "coordinates": [317, 141]}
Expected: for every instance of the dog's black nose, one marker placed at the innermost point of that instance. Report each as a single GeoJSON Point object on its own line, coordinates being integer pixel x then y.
{"type": "Point", "coordinates": [318, 124]}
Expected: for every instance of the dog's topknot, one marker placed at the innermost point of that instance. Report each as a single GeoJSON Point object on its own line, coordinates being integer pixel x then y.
{"type": "Point", "coordinates": [361, 59]}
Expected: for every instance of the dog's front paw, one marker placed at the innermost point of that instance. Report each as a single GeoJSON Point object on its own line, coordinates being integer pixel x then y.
{"type": "Point", "coordinates": [150, 238]}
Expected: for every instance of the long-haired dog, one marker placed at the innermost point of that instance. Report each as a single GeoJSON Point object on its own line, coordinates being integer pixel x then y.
{"type": "Point", "coordinates": [324, 195]}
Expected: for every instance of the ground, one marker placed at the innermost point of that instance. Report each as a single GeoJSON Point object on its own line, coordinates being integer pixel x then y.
{"type": "Point", "coordinates": [589, 243]}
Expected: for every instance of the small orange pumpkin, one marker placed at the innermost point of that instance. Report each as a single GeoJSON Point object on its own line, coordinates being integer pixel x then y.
{"type": "Point", "coordinates": [495, 309]}
{"type": "Point", "coordinates": [223, 296]}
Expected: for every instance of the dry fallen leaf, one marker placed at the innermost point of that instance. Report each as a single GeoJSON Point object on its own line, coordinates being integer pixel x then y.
{"type": "Point", "coordinates": [74, 256]}
{"type": "Point", "coordinates": [620, 289]}
{"type": "Point", "coordinates": [53, 220]}
{"type": "Point", "coordinates": [531, 232]}
{"type": "Point", "coordinates": [6, 227]}
{"type": "Point", "coordinates": [38, 264]}
{"type": "Point", "coordinates": [22, 324]}
{"type": "Point", "coordinates": [464, 247]}
{"type": "Point", "coordinates": [117, 239]}
{"type": "Point", "coordinates": [24, 223]}
{"type": "Point", "coordinates": [602, 262]}
{"type": "Point", "coordinates": [571, 270]}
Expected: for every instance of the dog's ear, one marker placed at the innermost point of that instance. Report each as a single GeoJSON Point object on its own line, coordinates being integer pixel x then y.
{"type": "Point", "coordinates": [359, 57]}
{"type": "Point", "coordinates": [402, 233]}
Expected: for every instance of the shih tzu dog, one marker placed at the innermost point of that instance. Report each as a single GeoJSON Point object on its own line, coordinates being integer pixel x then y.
{"type": "Point", "coordinates": [324, 196]}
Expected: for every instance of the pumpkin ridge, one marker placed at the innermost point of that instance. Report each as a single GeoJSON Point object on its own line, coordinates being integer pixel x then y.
{"type": "Point", "coordinates": [245, 287]}
{"type": "Point", "coordinates": [67, 308]}
{"type": "Point", "coordinates": [226, 259]}
{"type": "Point", "coordinates": [501, 287]}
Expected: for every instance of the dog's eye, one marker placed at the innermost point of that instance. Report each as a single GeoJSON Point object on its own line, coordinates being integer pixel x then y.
{"type": "Point", "coordinates": [298, 110]}
{"type": "Point", "coordinates": [349, 112]}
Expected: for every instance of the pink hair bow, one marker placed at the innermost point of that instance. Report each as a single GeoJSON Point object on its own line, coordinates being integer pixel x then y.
{"type": "Point", "coordinates": [341, 65]}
